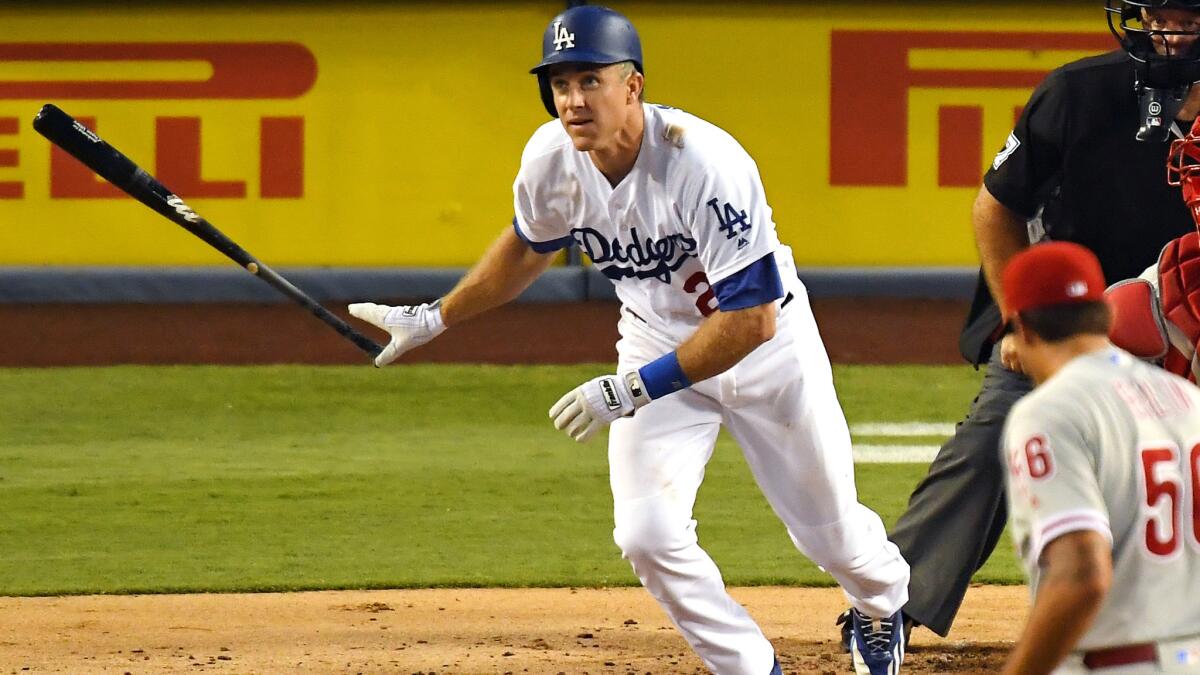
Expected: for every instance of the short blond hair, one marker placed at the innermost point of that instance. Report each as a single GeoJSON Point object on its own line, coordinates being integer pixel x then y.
{"type": "Point", "coordinates": [627, 69]}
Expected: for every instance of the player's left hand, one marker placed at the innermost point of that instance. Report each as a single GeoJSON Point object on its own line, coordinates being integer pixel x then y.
{"type": "Point", "coordinates": [589, 407]}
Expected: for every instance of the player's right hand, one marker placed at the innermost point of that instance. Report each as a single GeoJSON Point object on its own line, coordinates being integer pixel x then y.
{"type": "Point", "coordinates": [409, 325]}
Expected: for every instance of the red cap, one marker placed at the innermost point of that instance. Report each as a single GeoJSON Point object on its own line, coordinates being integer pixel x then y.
{"type": "Point", "coordinates": [1052, 273]}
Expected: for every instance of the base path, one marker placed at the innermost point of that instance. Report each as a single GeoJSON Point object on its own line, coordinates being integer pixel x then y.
{"type": "Point", "coordinates": [453, 631]}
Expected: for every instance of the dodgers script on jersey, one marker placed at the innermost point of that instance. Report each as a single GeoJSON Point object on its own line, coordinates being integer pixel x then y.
{"type": "Point", "coordinates": [690, 214]}
{"type": "Point", "coordinates": [1112, 444]}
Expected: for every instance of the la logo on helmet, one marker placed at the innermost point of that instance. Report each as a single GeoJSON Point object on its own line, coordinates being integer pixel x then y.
{"type": "Point", "coordinates": [562, 38]}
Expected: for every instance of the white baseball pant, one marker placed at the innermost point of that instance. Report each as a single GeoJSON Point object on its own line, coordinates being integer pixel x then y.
{"type": "Point", "coordinates": [779, 404]}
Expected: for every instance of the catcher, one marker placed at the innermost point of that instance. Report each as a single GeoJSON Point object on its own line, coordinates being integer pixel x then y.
{"type": "Point", "coordinates": [1156, 316]}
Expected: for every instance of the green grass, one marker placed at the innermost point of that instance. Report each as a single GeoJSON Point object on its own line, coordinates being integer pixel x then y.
{"type": "Point", "coordinates": [158, 479]}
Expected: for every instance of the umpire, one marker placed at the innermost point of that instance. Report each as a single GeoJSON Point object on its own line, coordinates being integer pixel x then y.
{"type": "Point", "coordinates": [1085, 163]}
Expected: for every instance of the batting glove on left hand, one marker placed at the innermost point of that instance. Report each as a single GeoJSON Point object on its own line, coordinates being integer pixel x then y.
{"type": "Point", "coordinates": [596, 403]}
{"type": "Point", "coordinates": [409, 325]}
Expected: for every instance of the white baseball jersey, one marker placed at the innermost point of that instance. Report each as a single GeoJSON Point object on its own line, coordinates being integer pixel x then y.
{"type": "Point", "coordinates": [689, 227]}
{"type": "Point", "coordinates": [1112, 444]}
{"type": "Point", "coordinates": [690, 214]}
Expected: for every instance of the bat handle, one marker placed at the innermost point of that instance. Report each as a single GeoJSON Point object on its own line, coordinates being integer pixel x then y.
{"type": "Point", "coordinates": [264, 272]}
{"type": "Point", "coordinates": [363, 342]}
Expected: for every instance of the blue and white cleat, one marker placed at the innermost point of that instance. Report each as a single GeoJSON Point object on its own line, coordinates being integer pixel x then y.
{"type": "Point", "coordinates": [776, 670]}
{"type": "Point", "coordinates": [877, 647]}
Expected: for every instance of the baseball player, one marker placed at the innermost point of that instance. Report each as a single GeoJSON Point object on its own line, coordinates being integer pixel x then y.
{"type": "Point", "coordinates": [1103, 463]}
{"type": "Point", "coordinates": [716, 330]}
{"type": "Point", "coordinates": [1157, 314]}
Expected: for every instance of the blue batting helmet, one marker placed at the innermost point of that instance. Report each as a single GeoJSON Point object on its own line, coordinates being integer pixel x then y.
{"type": "Point", "coordinates": [586, 34]}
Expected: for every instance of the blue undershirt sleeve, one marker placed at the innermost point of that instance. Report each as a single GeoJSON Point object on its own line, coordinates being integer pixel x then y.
{"type": "Point", "coordinates": [756, 284]}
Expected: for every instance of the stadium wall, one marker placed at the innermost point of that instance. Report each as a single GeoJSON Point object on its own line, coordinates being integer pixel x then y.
{"type": "Point", "coordinates": [368, 140]}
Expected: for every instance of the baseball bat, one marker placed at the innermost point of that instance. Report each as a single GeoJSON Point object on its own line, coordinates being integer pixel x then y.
{"type": "Point", "coordinates": [84, 145]}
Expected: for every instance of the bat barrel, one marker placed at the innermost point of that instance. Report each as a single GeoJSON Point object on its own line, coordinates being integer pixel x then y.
{"type": "Point", "coordinates": [83, 144]}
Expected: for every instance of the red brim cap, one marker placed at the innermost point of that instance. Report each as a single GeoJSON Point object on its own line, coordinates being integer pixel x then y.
{"type": "Point", "coordinates": [1052, 273]}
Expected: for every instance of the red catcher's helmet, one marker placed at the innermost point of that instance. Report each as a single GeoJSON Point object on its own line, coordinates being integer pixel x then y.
{"type": "Point", "coordinates": [1183, 169]}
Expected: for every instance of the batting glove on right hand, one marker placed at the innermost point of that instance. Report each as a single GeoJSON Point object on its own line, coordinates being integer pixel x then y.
{"type": "Point", "coordinates": [594, 404]}
{"type": "Point", "coordinates": [409, 325]}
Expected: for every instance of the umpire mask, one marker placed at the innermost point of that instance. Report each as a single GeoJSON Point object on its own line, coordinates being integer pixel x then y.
{"type": "Point", "coordinates": [1163, 39]}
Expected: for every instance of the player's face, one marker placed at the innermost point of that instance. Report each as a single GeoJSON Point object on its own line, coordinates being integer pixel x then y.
{"type": "Point", "coordinates": [592, 102]}
{"type": "Point", "coordinates": [1169, 21]}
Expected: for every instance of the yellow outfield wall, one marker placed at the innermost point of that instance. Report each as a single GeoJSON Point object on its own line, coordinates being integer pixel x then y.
{"type": "Point", "coordinates": [389, 135]}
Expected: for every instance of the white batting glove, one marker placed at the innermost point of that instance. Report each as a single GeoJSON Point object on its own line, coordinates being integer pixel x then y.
{"type": "Point", "coordinates": [596, 403]}
{"type": "Point", "coordinates": [410, 325]}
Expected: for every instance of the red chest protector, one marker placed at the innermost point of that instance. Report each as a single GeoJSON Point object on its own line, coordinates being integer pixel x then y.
{"type": "Point", "coordinates": [1179, 297]}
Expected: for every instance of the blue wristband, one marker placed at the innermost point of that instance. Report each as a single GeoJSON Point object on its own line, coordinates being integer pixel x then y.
{"type": "Point", "coordinates": [663, 376]}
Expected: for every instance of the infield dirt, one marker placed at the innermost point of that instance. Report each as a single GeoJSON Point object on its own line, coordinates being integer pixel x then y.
{"type": "Point", "coordinates": [453, 631]}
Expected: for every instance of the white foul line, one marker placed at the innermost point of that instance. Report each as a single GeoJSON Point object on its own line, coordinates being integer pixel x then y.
{"type": "Point", "coordinates": [900, 454]}
{"type": "Point", "coordinates": [867, 453]}
{"type": "Point", "coordinates": [945, 429]}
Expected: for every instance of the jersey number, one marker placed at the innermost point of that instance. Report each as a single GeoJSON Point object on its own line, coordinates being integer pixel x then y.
{"type": "Point", "coordinates": [1164, 487]}
{"type": "Point", "coordinates": [1038, 458]}
{"type": "Point", "coordinates": [707, 302]}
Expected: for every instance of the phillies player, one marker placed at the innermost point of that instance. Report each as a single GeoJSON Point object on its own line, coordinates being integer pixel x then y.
{"type": "Point", "coordinates": [716, 330]}
{"type": "Point", "coordinates": [1104, 473]}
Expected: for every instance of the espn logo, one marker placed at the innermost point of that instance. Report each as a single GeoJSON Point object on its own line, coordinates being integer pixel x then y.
{"type": "Point", "coordinates": [158, 71]}
{"type": "Point", "coordinates": [873, 72]}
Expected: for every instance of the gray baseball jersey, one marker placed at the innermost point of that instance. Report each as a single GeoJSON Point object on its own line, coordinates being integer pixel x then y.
{"type": "Point", "coordinates": [1112, 444]}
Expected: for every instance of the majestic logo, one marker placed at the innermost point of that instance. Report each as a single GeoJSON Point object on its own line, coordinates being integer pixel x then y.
{"type": "Point", "coordinates": [642, 258]}
{"type": "Point", "coordinates": [1010, 146]}
{"type": "Point", "coordinates": [183, 209]}
{"type": "Point", "coordinates": [562, 39]}
{"type": "Point", "coordinates": [729, 219]}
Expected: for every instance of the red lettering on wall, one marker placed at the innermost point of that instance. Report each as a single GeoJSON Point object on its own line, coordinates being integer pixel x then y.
{"type": "Point", "coordinates": [240, 70]}
{"type": "Point", "coordinates": [177, 151]}
{"type": "Point", "coordinates": [70, 179]}
{"type": "Point", "coordinates": [178, 163]}
{"type": "Point", "coordinates": [10, 189]}
{"type": "Point", "coordinates": [870, 80]}
{"type": "Point", "coordinates": [960, 144]}
{"type": "Point", "coordinates": [281, 157]}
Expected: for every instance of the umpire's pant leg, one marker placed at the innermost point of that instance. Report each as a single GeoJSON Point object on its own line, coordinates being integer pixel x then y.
{"type": "Point", "coordinates": [957, 512]}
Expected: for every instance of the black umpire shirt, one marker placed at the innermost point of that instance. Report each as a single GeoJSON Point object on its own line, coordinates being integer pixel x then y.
{"type": "Point", "coordinates": [1074, 158]}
